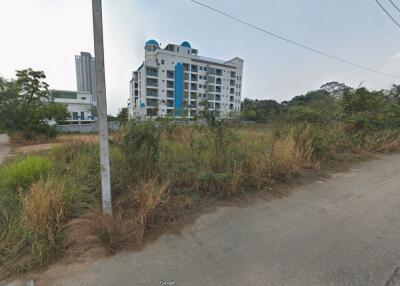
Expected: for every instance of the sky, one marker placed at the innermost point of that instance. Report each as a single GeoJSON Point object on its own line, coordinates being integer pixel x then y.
{"type": "Point", "coordinates": [47, 34]}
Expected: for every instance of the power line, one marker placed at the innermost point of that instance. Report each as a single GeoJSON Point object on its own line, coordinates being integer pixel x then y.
{"type": "Point", "coordinates": [394, 5]}
{"type": "Point", "coordinates": [295, 43]}
{"type": "Point", "coordinates": [387, 12]}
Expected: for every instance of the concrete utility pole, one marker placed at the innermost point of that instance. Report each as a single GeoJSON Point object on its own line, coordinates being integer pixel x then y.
{"type": "Point", "coordinates": [102, 106]}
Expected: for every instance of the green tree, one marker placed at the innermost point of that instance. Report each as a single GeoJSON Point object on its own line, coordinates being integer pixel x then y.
{"type": "Point", "coordinates": [123, 115]}
{"type": "Point", "coordinates": [26, 106]}
{"type": "Point", "coordinates": [260, 110]}
{"type": "Point", "coordinates": [366, 109]}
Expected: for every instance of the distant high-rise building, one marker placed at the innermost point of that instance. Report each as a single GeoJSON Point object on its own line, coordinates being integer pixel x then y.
{"type": "Point", "coordinates": [86, 74]}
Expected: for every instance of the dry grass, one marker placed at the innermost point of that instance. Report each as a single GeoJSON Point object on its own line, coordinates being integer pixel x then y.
{"type": "Point", "coordinates": [114, 232]}
{"type": "Point", "coordinates": [125, 226]}
{"type": "Point", "coordinates": [286, 158]}
{"type": "Point", "coordinates": [43, 209]}
{"type": "Point", "coordinates": [147, 196]}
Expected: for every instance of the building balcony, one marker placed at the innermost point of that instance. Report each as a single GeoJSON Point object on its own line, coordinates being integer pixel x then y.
{"type": "Point", "coordinates": [170, 103]}
{"type": "Point", "coordinates": [152, 92]}
{"type": "Point", "coordinates": [195, 68]}
{"type": "Point", "coordinates": [170, 74]}
{"type": "Point", "coordinates": [153, 72]}
{"type": "Point", "coordinates": [170, 84]}
{"type": "Point", "coordinates": [170, 94]}
{"type": "Point", "coordinates": [151, 82]}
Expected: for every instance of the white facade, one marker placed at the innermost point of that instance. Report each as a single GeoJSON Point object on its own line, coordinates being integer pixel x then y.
{"type": "Point", "coordinates": [176, 81]}
{"type": "Point", "coordinates": [86, 74]}
{"type": "Point", "coordinates": [79, 105]}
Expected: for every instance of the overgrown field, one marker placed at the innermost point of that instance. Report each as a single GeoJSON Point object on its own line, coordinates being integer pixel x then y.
{"type": "Point", "coordinates": [160, 173]}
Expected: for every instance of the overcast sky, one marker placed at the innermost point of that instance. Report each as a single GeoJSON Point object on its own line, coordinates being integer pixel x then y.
{"type": "Point", "coordinates": [46, 34]}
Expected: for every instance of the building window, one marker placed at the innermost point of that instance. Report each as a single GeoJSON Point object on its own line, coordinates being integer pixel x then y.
{"type": "Point", "coordinates": [170, 84]}
{"type": "Point", "coordinates": [201, 68]}
{"type": "Point", "coordinates": [170, 93]}
{"type": "Point", "coordinates": [74, 115]}
{"type": "Point", "coordinates": [177, 49]}
{"type": "Point", "coordinates": [194, 68]}
{"type": "Point", "coordinates": [162, 62]}
{"type": "Point", "coordinates": [170, 74]}
{"type": "Point", "coordinates": [152, 92]}
{"type": "Point", "coordinates": [170, 103]}
{"type": "Point", "coordinates": [82, 115]}
{"type": "Point", "coordinates": [152, 102]}
{"type": "Point", "coordinates": [151, 112]}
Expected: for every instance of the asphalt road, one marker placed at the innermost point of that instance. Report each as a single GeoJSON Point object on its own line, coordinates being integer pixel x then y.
{"type": "Point", "coordinates": [344, 230]}
{"type": "Point", "coordinates": [4, 147]}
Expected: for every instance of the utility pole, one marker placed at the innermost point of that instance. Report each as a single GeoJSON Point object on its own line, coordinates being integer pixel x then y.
{"type": "Point", "coordinates": [102, 106]}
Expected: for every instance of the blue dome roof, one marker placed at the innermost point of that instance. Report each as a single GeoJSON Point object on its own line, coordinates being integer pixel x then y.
{"type": "Point", "coordinates": [151, 42]}
{"type": "Point", "coordinates": [186, 44]}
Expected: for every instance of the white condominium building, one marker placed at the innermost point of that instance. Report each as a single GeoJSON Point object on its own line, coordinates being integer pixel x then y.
{"type": "Point", "coordinates": [177, 82]}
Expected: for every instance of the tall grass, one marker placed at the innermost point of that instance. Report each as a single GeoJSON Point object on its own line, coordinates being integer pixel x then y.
{"type": "Point", "coordinates": [159, 172]}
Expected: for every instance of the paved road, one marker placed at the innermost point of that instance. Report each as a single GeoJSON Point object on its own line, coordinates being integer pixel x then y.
{"type": "Point", "coordinates": [341, 231]}
{"type": "Point", "coordinates": [4, 147]}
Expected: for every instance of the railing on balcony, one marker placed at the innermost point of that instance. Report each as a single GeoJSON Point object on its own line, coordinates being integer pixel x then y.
{"type": "Point", "coordinates": [170, 74]}
{"type": "Point", "coordinates": [193, 95]}
{"type": "Point", "coordinates": [151, 72]}
{"type": "Point", "coordinates": [152, 102]}
{"type": "Point", "coordinates": [151, 82]}
{"type": "Point", "coordinates": [152, 92]}
{"type": "Point", "coordinates": [193, 104]}
{"type": "Point", "coordinates": [170, 103]}
{"type": "Point", "coordinates": [170, 84]}
{"type": "Point", "coordinates": [170, 94]}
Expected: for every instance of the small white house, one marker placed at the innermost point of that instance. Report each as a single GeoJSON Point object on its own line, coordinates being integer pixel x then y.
{"type": "Point", "coordinates": [80, 105]}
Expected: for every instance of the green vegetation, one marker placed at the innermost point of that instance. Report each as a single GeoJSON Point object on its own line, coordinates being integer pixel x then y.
{"type": "Point", "coordinates": [26, 106]}
{"type": "Point", "coordinates": [161, 171]}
